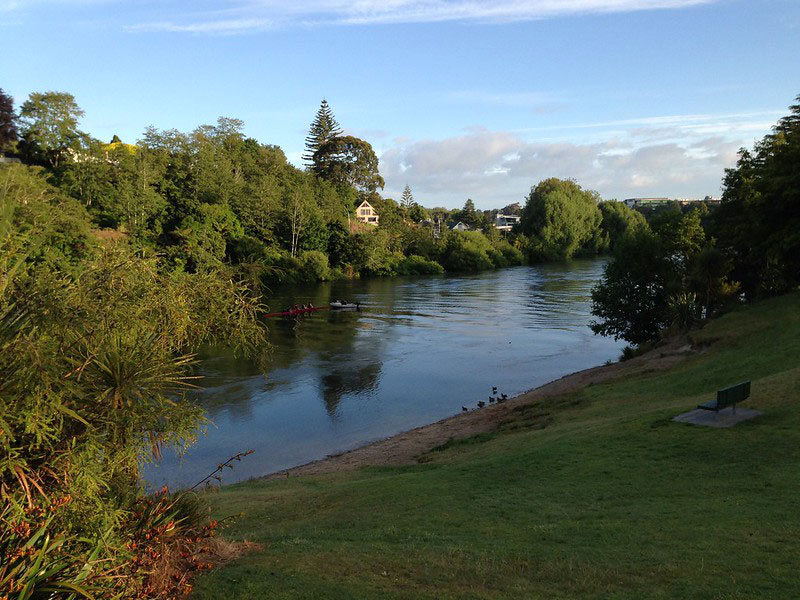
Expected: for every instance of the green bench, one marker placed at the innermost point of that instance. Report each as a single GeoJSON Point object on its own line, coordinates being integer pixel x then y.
{"type": "Point", "coordinates": [728, 397]}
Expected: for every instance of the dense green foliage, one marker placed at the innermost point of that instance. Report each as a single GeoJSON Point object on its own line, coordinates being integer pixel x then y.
{"type": "Point", "coordinates": [347, 160]}
{"type": "Point", "coordinates": [663, 275]}
{"type": "Point", "coordinates": [591, 494]}
{"type": "Point", "coordinates": [562, 220]}
{"type": "Point", "coordinates": [50, 126]}
{"type": "Point", "coordinates": [96, 355]}
{"type": "Point", "coordinates": [8, 122]}
{"type": "Point", "coordinates": [214, 197]}
{"type": "Point", "coordinates": [692, 264]}
{"type": "Point", "coordinates": [758, 223]}
{"type": "Point", "coordinates": [618, 221]}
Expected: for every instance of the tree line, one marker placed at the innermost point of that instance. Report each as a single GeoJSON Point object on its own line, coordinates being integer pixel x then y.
{"type": "Point", "coordinates": [214, 196]}
{"type": "Point", "coordinates": [685, 267]}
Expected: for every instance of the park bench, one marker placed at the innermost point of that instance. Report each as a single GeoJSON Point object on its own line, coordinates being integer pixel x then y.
{"type": "Point", "coordinates": [728, 397]}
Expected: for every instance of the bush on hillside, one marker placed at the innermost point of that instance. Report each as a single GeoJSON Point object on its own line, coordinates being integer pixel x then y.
{"type": "Point", "coordinates": [314, 266]}
{"type": "Point", "coordinates": [418, 265]}
{"type": "Point", "coordinates": [468, 252]}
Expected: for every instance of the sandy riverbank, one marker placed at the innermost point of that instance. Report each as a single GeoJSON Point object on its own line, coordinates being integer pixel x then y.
{"type": "Point", "coordinates": [404, 448]}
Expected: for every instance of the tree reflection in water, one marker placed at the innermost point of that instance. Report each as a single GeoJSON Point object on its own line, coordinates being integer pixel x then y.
{"type": "Point", "coordinates": [418, 351]}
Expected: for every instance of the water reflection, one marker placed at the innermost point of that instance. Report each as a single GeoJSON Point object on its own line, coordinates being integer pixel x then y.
{"type": "Point", "coordinates": [419, 350]}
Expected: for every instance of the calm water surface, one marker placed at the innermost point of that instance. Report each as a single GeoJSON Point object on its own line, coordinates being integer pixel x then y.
{"type": "Point", "coordinates": [418, 351]}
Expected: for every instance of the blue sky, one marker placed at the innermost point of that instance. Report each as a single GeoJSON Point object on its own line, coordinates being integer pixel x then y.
{"type": "Point", "coordinates": [459, 98]}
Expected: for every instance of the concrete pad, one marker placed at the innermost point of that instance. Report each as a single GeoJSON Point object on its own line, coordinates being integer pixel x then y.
{"type": "Point", "coordinates": [723, 418]}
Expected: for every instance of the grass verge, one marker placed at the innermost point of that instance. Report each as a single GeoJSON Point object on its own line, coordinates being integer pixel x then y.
{"type": "Point", "coordinates": [594, 494]}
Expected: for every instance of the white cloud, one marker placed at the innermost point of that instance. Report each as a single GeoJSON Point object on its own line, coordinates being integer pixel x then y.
{"type": "Point", "coordinates": [495, 168]}
{"type": "Point", "coordinates": [9, 5]}
{"type": "Point", "coordinates": [224, 26]}
{"type": "Point", "coordinates": [256, 15]}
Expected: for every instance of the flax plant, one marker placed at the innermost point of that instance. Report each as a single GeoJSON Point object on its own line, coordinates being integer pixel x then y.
{"type": "Point", "coordinates": [95, 365]}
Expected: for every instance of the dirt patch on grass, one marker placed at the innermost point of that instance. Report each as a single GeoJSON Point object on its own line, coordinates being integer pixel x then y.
{"type": "Point", "coordinates": [405, 448]}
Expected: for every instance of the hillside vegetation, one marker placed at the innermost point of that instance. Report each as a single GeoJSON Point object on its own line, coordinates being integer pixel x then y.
{"type": "Point", "coordinates": [593, 494]}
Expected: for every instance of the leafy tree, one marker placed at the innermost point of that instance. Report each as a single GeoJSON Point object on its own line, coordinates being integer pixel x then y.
{"type": "Point", "coordinates": [200, 242]}
{"type": "Point", "coordinates": [655, 278]}
{"type": "Point", "coordinates": [708, 276]}
{"type": "Point", "coordinates": [511, 209]}
{"type": "Point", "coordinates": [417, 213]}
{"type": "Point", "coordinates": [392, 215]}
{"type": "Point", "coordinates": [50, 126]}
{"type": "Point", "coordinates": [467, 251]}
{"type": "Point", "coordinates": [758, 221]}
{"type": "Point", "coordinates": [8, 122]}
{"type": "Point", "coordinates": [315, 266]}
{"type": "Point", "coordinates": [619, 221]}
{"type": "Point", "coordinates": [302, 224]}
{"type": "Point", "coordinates": [348, 160]}
{"type": "Point", "coordinates": [375, 254]}
{"type": "Point", "coordinates": [683, 232]}
{"type": "Point", "coordinates": [323, 128]}
{"type": "Point", "coordinates": [59, 224]}
{"type": "Point", "coordinates": [90, 181]}
{"type": "Point", "coordinates": [470, 216]}
{"type": "Point", "coordinates": [339, 246]}
{"type": "Point", "coordinates": [561, 219]}
{"type": "Point", "coordinates": [631, 300]}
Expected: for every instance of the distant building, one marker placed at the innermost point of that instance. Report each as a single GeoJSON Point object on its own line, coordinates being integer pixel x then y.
{"type": "Point", "coordinates": [367, 214]}
{"type": "Point", "coordinates": [684, 202]}
{"type": "Point", "coordinates": [640, 202]}
{"type": "Point", "coordinates": [506, 222]}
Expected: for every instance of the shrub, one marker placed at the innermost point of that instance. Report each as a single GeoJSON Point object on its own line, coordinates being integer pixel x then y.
{"type": "Point", "coordinates": [418, 265]}
{"type": "Point", "coordinates": [467, 251]}
{"type": "Point", "coordinates": [314, 266]}
{"type": "Point", "coordinates": [94, 371]}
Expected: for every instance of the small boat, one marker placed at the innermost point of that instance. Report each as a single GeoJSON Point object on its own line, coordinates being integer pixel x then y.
{"type": "Point", "coordinates": [337, 305]}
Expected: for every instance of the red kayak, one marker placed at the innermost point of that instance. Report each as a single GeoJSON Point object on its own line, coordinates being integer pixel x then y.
{"type": "Point", "coordinates": [298, 311]}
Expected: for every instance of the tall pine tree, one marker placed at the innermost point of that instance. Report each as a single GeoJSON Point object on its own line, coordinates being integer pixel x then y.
{"type": "Point", "coordinates": [323, 128]}
{"type": "Point", "coordinates": [407, 199]}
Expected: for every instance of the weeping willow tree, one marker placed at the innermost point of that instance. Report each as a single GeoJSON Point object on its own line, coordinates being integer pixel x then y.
{"type": "Point", "coordinates": [96, 357]}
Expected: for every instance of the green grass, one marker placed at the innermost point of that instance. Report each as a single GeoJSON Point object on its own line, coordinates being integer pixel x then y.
{"type": "Point", "coordinates": [596, 494]}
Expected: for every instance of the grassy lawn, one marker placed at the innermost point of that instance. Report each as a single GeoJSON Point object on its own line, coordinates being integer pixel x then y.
{"type": "Point", "coordinates": [596, 494]}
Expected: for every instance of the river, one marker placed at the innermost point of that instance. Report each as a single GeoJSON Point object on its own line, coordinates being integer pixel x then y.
{"type": "Point", "coordinates": [417, 351]}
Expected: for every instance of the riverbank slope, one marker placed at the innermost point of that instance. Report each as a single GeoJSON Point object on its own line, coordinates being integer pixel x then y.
{"type": "Point", "coordinates": [584, 488]}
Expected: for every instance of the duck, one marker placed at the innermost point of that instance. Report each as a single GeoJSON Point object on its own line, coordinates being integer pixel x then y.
{"type": "Point", "coordinates": [481, 404]}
